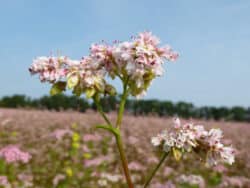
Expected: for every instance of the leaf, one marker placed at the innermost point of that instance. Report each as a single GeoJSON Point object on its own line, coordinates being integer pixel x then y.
{"type": "Point", "coordinates": [99, 84]}
{"type": "Point", "coordinates": [87, 155]}
{"type": "Point", "coordinates": [109, 89]}
{"type": "Point", "coordinates": [57, 88]}
{"type": "Point", "coordinates": [77, 91]}
{"type": "Point", "coordinates": [177, 154]}
{"type": "Point", "coordinates": [109, 128]}
{"type": "Point", "coordinates": [90, 92]}
{"type": "Point", "coordinates": [72, 81]}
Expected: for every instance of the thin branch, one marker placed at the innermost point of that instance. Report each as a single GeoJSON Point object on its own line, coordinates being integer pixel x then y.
{"type": "Point", "coordinates": [164, 156]}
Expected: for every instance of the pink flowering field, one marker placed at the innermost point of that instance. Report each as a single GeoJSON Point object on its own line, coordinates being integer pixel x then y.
{"type": "Point", "coordinates": [63, 149]}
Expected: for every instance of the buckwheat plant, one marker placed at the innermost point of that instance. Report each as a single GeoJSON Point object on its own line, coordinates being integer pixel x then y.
{"type": "Point", "coordinates": [136, 63]}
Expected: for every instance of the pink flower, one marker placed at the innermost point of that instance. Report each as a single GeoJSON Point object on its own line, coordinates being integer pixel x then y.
{"type": "Point", "coordinates": [132, 140]}
{"type": "Point", "coordinates": [13, 154]}
{"type": "Point", "coordinates": [60, 133]}
{"type": "Point", "coordinates": [153, 160]}
{"type": "Point", "coordinates": [58, 178]}
{"type": "Point", "coordinates": [156, 141]}
{"type": "Point", "coordinates": [168, 184]}
{"type": "Point", "coordinates": [220, 168]}
{"type": "Point", "coordinates": [142, 58]}
{"type": "Point", "coordinates": [148, 38]}
{"type": "Point", "coordinates": [91, 138]}
{"type": "Point", "coordinates": [85, 149]}
{"type": "Point", "coordinates": [4, 181]}
{"type": "Point", "coordinates": [50, 69]}
{"type": "Point", "coordinates": [139, 61]}
{"type": "Point", "coordinates": [97, 161]}
{"type": "Point", "coordinates": [136, 166]}
{"type": "Point", "coordinates": [168, 171]}
{"type": "Point", "coordinates": [192, 180]}
{"type": "Point", "coordinates": [177, 123]}
{"type": "Point", "coordinates": [214, 136]}
{"type": "Point", "coordinates": [190, 137]}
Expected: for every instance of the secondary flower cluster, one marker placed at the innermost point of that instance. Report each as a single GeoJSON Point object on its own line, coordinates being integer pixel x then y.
{"type": "Point", "coordinates": [13, 154]}
{"type": "Point", "coordinates": [136, 63]}
{"type": "Point", "coordinates": [188, 137]}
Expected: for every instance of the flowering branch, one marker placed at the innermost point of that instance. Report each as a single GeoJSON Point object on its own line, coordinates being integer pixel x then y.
{"type": "Point", "coordinates": [190, 137]}
{"type": "Point", "coordinates": [164, 156]}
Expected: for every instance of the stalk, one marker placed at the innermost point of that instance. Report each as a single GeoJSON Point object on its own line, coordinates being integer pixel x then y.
{"type": "Point", "coordinates": [124, 160]}
{"type": "Point", "coordinates": [164, 156]}
{"type": "Point", "coordinates": [122, 105]}
{"type": "Point", "coordinates": [118, 137]}
{"type": "Point", "coordinates": [99, 108]}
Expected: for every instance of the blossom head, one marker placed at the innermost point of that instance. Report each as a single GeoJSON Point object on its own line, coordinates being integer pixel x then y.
{"type": "Point", "coordinates": [136, 63]}
{"type": "Point", "coordinates": [189, 137]}
{"type": "Point", "coordinates": [50, 69]}
{"type": "Point", "coordinates": [4, 181]}
{"type": "Point", "coordinates": [13, 154]}
{"type": "Point", "coordinates": [60, 133]}
{"type": "Point", "coordinates": [141, 60]}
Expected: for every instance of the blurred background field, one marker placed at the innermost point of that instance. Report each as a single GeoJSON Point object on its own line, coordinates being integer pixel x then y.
{"type": "Point", "coordinates": [208, 85]}
{"type": "Point", "coordinates": [67, 151]}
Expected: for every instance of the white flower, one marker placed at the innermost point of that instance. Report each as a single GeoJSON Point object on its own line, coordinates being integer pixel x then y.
{"type": "Point", "coordinates": [156, 141]}
{"type": "Point", "coordinates": [141, 95]}
{"type": "Point", "coordinates": [227, 155]}
{"type": "Point", "coordinates": [177, 123]}
{"type": "Point", "coordinates": [199, 131]}
{"type": "Point", "coordinates": [137, 62]}
{"type": "Point", "coordinates": [214, 136]}
{"type": "Point", "coordinates": [113, 178]}
{"type": "Point", "coordinates": [189, 136]}
{"type": "Point", "coordinates": [102, 182]}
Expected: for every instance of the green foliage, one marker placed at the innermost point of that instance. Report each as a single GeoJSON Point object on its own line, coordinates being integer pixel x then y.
{"type": "Point", "coordinates": [135, 107]}
{"type": "Point", "coordinates": [57, 88]}
{"type": "Point", "coordinates": [186, 185]}
{"type": "Point", "coordinates": [15, 101]}
{"type": "Point", "coordinates": [90, 92]}
{"type": "Point", "coordinates": [215, 179]}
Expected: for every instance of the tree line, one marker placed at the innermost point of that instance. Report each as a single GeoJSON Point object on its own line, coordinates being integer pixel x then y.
{"type": "Point", "coordinates": [135, 107]}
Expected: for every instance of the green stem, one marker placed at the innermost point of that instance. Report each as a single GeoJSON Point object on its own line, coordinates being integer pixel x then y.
{"type": "Point", "coordinates": [124, 160]}
{"type": "Point", "coordinates": [164, 156]}
{"type": "Point", "coordinates": [99, 108]}
{"type": "Point", "coordinates": [122, 105]}
{"type": "Point", "coordinates": [119, 143]}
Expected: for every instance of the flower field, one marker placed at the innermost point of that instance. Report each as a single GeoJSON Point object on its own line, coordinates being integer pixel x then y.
{"type": "Point", "coordinates": [64, 150]}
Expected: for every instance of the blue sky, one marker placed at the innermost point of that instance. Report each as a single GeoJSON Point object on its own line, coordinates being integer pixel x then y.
{"type": "Point", "coordinates": [212, 37]}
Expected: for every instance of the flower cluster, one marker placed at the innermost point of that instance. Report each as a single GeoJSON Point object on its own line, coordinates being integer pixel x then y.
{"type": "Point", "coordinates": [49, 68]}
{"type": "Point", "coordinates": [135, 166]}
{"type": "Point", "coordinates": [188, 137]}
{"type": "Point", "coordinates": [114, 178]}
{"type": "Point", "coordinates": [13, 154]}
{"type": "Point", "coordinates": [192, 180]}
{"type": "Point", "coordinates": [60, 133]}
{"type": "Point", "coordinates": [141, 60]}
{"type": "Point", "coordinates": [91, 138]}
{"type": "Point", "coordinates": [4, 181]}
{"type": "Point", "coordinates": [97, 161]}
{"type": "Point", "coordinates": [136, 63]}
